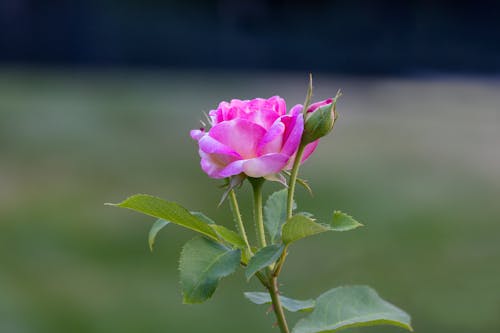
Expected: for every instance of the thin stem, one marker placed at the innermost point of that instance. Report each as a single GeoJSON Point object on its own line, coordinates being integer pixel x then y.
{"type": "Point", "coordinates": [281, 261]}
{"type": "Point", "coordinates": [262, 279]}
{"type": "Point", "coordinates": [293, 181]}
{"type": "Point", "coordinates": [277, 307]}
{"type": "Point", "coordinates": [239, 222]}
{"type": "Point", "coordinates": [289, 204]}
{"type": "Point", "coordinates": [257, 210]}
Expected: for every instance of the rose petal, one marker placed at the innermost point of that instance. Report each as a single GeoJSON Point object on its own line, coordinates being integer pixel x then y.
{"type": "Point", "coordinates": [258, 110]}
{"type": "Point", "coordinates": [211, 146]}
{"type": "Point", "coordinates": [232, 169]}
{"type": "Point", "coordinates": [308, 150]}
{"type": "Point", "coordinates": [316, 105]}
{"type": "Point", "coordinates": [216, 116]}
{"type": "Point", "coordinates": [278, 104]}
{"type": "Point", "coordinates": [265, 165]}
{"type": "Point", "coordinates": [264, 118]}
{"type": "Point", "coordinates": [210, 165]}
{"type": "Point", "coordinates": [296, 109]}
{"type": "Point", "coordinates": [197, 134]}
{"type": "Point", "coordinates": [294, 126]}
{"type": "Point", "coordinates": [272, 140]}
{"type": "Point", "coordinates": [240, 135]}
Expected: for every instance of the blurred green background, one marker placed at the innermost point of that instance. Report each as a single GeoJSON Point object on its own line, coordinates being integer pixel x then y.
{"type": "Point", "coordinates": [416, 160]}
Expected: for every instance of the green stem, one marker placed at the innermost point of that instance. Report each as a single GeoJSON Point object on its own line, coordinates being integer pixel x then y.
{"type": "Point", "coordinates": [277, 307]}
{"type": "Point", "coordinates": [239, 222]}
{"type": "Point", "coordinates": [289, 204]}
{"type": "Point", "coordinates": [257, 210]}
{"type": "Point", "coordinates": [293, 181]}
{"type": "Point", "coordinates": [273, 281]}
{"type": "Point", "coordinates": [281, 261]}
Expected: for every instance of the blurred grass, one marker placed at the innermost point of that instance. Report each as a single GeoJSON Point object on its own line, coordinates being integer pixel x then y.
{"type": "Point", "coordinates": [417, 161]}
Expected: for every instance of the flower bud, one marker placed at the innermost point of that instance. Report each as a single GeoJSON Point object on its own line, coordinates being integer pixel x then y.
{"type": "Point", "coordinates": [319, 120]}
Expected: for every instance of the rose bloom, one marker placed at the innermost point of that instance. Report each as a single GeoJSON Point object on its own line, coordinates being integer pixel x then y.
{"type": "Point", "coordinates": [256, 137]}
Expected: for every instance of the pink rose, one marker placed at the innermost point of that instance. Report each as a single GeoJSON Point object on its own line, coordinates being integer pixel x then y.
{"type": "Point", "coordinates": [255, 137]}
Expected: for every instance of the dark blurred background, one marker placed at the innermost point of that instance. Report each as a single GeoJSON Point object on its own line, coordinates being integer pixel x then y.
{"type": "Point", "coordinates": [96, 101]}
{"type": "Point", "coordinates": [352, 37]}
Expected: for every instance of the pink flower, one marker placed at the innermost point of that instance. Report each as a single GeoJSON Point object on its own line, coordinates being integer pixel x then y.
{"type": "Point", "coordinates": [255, 137]}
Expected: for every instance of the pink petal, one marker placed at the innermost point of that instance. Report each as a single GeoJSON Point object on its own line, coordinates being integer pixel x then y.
{"type": "Point", "coordinates": [216, 116]}
{"type": "Point", "coordinates": [316, 105]}
{"type": "Point", "coordinates": [278, 104]}
{"type": "Point", "coordinates": [265, 165]}
{"type": "Point", "coordinates": [211, 146]}
{"type": "Point", "coordinates": [210, 165]}
{"type": "Point", "coordinates": [272, 140]}
{"type": "Point", "coordinates": [274, 103]}
{"type": "Point", "coordinates": [296, 109]}
{"type": "Point", "coordinates": [294, 126]}
{"type": "Point", "coordinates": [264, 118]}
{"type": "Point", "coordinates": [234, 168]}
{"type": "Point", "coordinates": [308, 150]}
{"type": "Point", "coordinates": [265, 111]}
{"type": "Point", "coordinates": [197, 134]}
{"type": "Point", "coordinates": [240, 135]}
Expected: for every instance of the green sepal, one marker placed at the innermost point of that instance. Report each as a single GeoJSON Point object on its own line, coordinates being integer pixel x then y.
{"type": "Point", "coordinates": [318, 123]}
{"type": "Point", "coordinates": [263, 258]}
{"type": "Point", "coordinates": [351, 306]}
{"type": "Point", "coordinates": [169, 211]}
{"type": "Point", "coordinates": [155, 228]}
{"type": "Point", "coordinates": [290, 304]}
{"type": "Point", "coordinates": [230, 184]}
{"type": "Point", "coordinates": [202, 264]}
{"type": "Point", "coordinates": [304, 183]}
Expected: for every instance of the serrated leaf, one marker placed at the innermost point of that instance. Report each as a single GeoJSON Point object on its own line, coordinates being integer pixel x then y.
{"type": "Point", "coordinates": [203, 263]}
{"type": "Point", "coordinates": [229, 236]}
{"type": "Point", "coordinates": [290, 304]}
{"type": "Point", "coordinates": [275, 213]}
{"type": "Point", "coordinates": [170, 211]}
{"type": "Point", "coordinates": [351, 306]}
{"type": "Point", "coordinates": [157, 226]}
{"type": "Point", "coordinates": [300, 226]}
{"type": "Point", "coordinates": [343, 222]}
{"type": "Point", "coordinates": [263, 258]}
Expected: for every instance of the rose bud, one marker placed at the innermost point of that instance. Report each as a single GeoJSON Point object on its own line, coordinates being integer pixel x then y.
{"type": "Point", "coordinates": [320, 118]}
